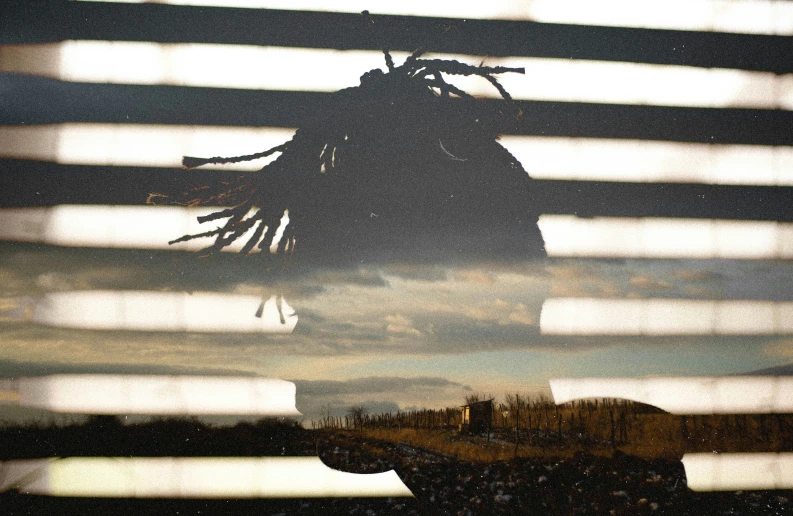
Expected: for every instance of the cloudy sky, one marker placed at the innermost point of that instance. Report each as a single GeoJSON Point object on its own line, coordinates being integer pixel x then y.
{"type": "Point", "coordinates": [389, 336]}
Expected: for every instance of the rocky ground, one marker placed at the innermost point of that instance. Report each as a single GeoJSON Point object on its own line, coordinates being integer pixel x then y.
{"type": "Point", "coordinates": [583, 484]}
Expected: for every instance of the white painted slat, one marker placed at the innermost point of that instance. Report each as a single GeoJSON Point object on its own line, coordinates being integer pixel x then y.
{"type": "Point", "coordinates": [196, 477]}
{"type": "Point", "coordinates": [654, 317]}
{"type": "Point", "coordinates": [158, 394]}
{"type": "Point", "coordinates": [687, 395]}
{"type": "Point", "coordinates": [738, 471]}
{"type": "Point", "coordinates": [127, 227]}
{"type": "Point", "coordinates": [138, 144]}
{"type": "Point", "coordinates": [657, 237]}
{"type": "Point", "coordinates": [205, 312]}
{"type": "Point", "coordinates": [152, 227]}
{"type": "Point", "coordinates": [648, 161]}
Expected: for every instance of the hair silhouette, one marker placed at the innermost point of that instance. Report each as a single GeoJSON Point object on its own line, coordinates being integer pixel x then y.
{"type": "Point", "coordinates": [403, 166]}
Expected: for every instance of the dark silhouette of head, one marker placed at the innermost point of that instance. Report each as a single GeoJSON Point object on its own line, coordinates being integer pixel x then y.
{"type": "Point", "coordinates": [405, 166]}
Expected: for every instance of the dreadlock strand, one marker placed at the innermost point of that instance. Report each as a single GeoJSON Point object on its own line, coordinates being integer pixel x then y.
{"type": "Point", "coordinates": [450, 88]}
{"type": "Point", "coordinates": [256, 237]}
{"type": "Point", "coordinates": [443, 85]}
{"type": "Point", "coordinates": [190, 162]}
{"type": "Point", "coordinates": [499, 87]}
{"type": "Point", "coordinates": [221, 241]}
{"type": "Point", "coordinates": [412, 58]}
{"type": "Point", "coordinates": [187, 238]}
{"type": "Point", "coordinates": [285, 237]}
{"type": "Point", "coordinates": [230, 212]}
{"type": "Point", "coordinates": [389, 61]}
{"type": "Point", "coordinates": [501, 69]}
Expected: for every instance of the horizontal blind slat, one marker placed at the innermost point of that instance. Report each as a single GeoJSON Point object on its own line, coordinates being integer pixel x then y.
{"type": "Point", "coordinates": [198, 24]}
{"type": "Point", "coordinates": [113, 103]}
{"type": "Point", "coordinates": [36, 183]}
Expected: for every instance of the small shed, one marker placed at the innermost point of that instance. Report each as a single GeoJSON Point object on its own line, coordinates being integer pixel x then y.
{"type": "Point", "coordinates": [476, 417]}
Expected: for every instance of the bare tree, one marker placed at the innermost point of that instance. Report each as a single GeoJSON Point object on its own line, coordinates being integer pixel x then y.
{"type": "Point", "coordinates": [472, 398]}
{"type": "Point", "coordinates": [356, 415]}
{"type": "Point", "coordinates": [477, 397]}
{"type": "Point", "coordinates": [325, 416]}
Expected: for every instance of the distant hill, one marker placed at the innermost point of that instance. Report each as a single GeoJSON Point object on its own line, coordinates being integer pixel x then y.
{"type": "Point", "coordinates": [783, 370]}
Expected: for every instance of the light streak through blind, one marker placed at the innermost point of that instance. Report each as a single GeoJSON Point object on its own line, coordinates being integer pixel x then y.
{"type": "Point", "coordinates": [741, 16]}
{"type": "Point", "coordinates": [127, 227]}
{"type": "Point", "coordinates": [297, 69]}
{"type": "Point", "coordinates": [738, 471]}
{"type": "Point", "coordinates": [195, 477]}
{"type": "Point", "coordinates": [653, 317]}
{"type": "Point", "coordinates": [651, 237]}
{"type": "Point", "coordinates": [200, 312]}
{"type": "Point", "coordinates": [686, 395]}
{"type": "Point", "coordinates": [156, 394]}
{"type": "Point", "coordinates": [138, 144]}
{"type": "Point", "coordinates": [565, 235]}
{"type": "Point", "coordinates": [648, 161]}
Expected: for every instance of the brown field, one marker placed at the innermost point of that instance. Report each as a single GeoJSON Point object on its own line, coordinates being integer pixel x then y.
{"type": "Point", "coordinates": [597, 427]}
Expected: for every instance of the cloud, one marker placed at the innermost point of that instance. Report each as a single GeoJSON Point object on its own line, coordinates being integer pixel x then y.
{"type": "Point", "coordinates": [378, 394]}
{"type": "Point", "coordinates": [457, 334]}
{"type": "Point", "coordinates": [434, 328]}
{"type": "Point", "coordinates": [576, 279]}
{"type": "Point", "coordinates": [779, 348]}
{"type": "Point", "coordinates": [416, 272]}
{"type": "Point", "coordinates": [35, 270]}
{"type": "Point", "coordinates": [357, 276]}
{"type": "Point", "coordinates": [13, 283]}
{"type": "Point", "coordinates": [499, 312]}
{"type": "Point", "coordinates": [477, 277]}
{"type": "Point", "coordinates": [140, 351]}
{"type": "Point", "coordinates": [400, 325]}
{"type": "Point", "coordinates": [92, 278]}
{"type": "Point", "coordinates": [374, 384]}
{"type": "Point", "coordinates": [520, 315]}
{"type": "Point", "coordinates": [343, 335]}
{"type": "Point", "coordinates": [698, 276]}
{"type": "Point", "coordinates": [13, 368]}
{"type": "Point", "coordinates": [699, 292]}
{"type": "Point", "coordinates": [649, 284]}
{"type": "Point", "coordinates": [290, 291]}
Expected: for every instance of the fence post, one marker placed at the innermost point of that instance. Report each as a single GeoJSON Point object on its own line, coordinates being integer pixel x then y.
{"type": "Point", "coordinates": [613, 429]}
{"type": "Point", "coordinates": [559, 427]}
{"type": "Point", "coordinates": [684, 428]}
{"type": "Point", "coordinates": [517, 423]}
{"type": "Point", "coordinates": [623, 428]}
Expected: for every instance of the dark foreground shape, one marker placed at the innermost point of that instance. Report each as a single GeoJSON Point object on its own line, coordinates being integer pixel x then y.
{"type": "Point", "coordinates": [14, 504]}
{"type": "Point", "coordinates": [583, 484]}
